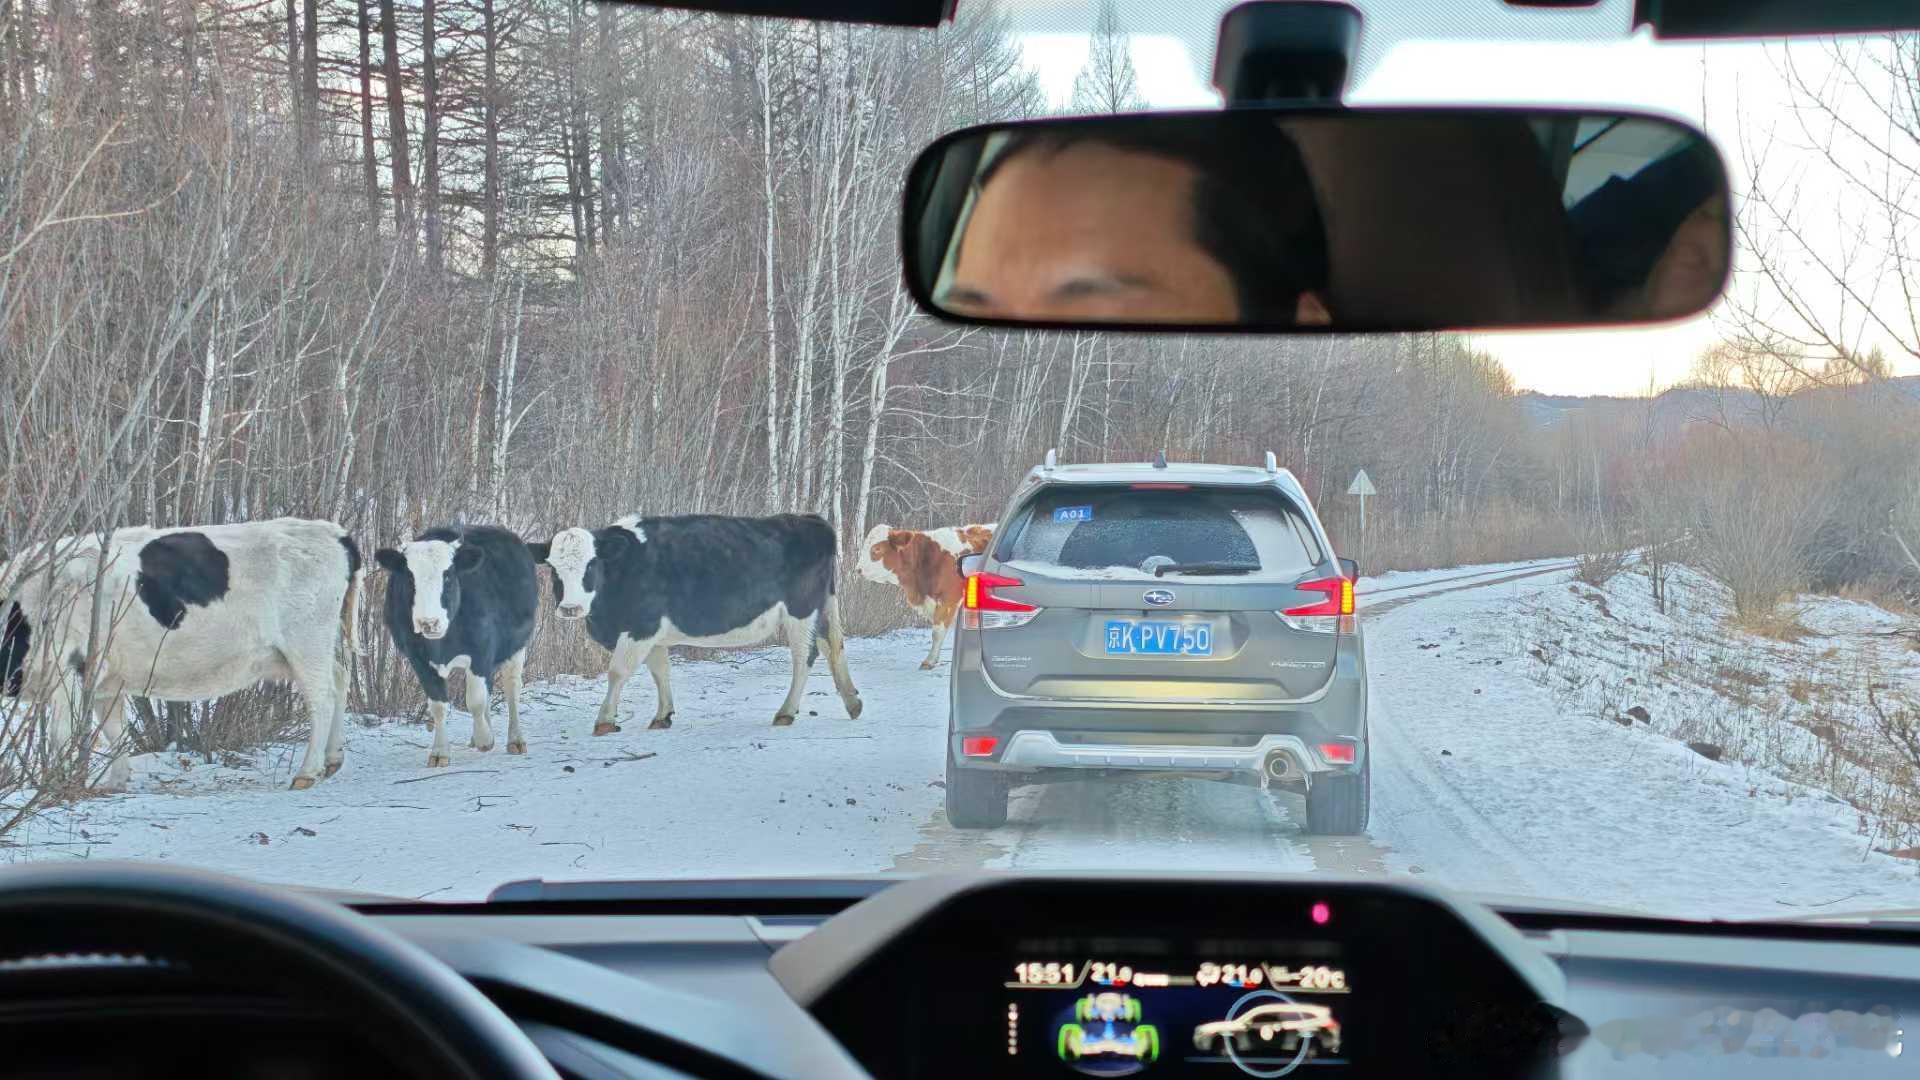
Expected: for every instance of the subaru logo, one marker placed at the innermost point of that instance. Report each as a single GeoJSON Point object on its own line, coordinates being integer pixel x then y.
{"type": "Point", "coordinates": [1158, 597]}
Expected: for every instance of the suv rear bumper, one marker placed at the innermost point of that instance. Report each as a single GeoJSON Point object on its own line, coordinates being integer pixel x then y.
{"type": "Point", "coordinates": [1242, 741]}
{"type": "Point", "coordinates": [1278, 758]}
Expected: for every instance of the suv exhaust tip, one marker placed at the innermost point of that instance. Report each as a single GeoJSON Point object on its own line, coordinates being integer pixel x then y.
{"type": "Point", "coordinates": [1282, 768]}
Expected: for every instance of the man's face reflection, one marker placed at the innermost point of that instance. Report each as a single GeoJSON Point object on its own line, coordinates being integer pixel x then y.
{"type": "Point", "coordinates": [1688, 273]}
{"type": "Point", "coordinates": [1093, 232]}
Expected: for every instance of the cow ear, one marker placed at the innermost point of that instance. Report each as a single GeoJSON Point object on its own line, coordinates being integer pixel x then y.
{"type": "Point", "coordinates": [467, 559]}
{"type": "Point", "coordinates": [390, 560]}
{"type": "Point", "coordinates": [900, 538]}
{"type": "Point", "coordinates": [612, 545]}
{"type": "Point", "coordinates": [540, 551]}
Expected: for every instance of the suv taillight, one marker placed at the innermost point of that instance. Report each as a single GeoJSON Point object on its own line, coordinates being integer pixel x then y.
{"type": "Point", "coordinates": [1334, 614]}
{"type": "Point", "coordinates": [983, 610]}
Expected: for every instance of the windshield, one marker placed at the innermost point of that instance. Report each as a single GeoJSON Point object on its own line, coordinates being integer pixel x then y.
{"type": "Point", "coordinates": [298, 300]}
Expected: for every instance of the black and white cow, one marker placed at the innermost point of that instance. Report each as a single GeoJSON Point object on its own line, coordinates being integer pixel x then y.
{"type": "Point", "coordinates": [464, 599]}
{"type": "Point", "coordinates": [645, 584]}
{"type": "Point", "coordinates": [185, 614]}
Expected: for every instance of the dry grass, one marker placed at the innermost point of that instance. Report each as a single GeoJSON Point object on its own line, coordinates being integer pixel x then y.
{"type": "Point", "coordinates": [1600, 567]}
{"type": "Point", "coordinates": [1779, 623]}
{"type": "Point", "coordinates": [1882, 592]}
{"type": "Point", "coordinates": [1498, 532]}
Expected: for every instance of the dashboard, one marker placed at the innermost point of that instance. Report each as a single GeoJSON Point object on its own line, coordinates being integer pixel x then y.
{"type": "Point", "coordinates": [1057, 976]}
{"type": "Point", "coordinates": [1063, 977]}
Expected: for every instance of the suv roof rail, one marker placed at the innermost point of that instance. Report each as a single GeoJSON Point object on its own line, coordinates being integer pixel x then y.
{"type": "Point", "coordinates": [1052, 462]}
{"type": "Point", "coordinates": [1273, 463]}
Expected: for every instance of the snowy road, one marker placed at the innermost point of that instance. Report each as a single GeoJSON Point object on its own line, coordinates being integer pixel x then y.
{"type": "Point", "coordinates": [1480, 782]}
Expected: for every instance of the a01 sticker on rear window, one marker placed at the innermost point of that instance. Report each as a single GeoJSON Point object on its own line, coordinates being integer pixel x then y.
{"type": "Point", "coordinates": [1073, 513]}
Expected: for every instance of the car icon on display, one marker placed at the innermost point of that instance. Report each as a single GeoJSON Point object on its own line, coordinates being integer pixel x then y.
{"type": "Point", "coordinates": [1106, 1037]}
{"type": "Point", "coordinates": [1281, 1026]}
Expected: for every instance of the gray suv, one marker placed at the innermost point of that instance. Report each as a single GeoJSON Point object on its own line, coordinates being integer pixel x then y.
{"type": "Point", "coordinates": [1153, 618]}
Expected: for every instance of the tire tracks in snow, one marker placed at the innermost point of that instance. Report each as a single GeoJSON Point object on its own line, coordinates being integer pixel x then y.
{"type": "Point", "coordinates": [1118, 824]}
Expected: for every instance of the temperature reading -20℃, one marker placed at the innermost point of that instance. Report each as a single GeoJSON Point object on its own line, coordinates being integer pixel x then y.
{"type": "Point", "coordinates": [1310, 977]}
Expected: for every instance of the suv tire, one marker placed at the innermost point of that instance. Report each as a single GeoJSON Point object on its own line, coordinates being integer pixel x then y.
{"type": "Point", "coordinates": [976, 798]}
{"type": "Point", "coordinates": [1337, 804]}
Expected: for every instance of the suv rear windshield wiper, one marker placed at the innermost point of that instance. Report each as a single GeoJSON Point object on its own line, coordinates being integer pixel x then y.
{"type": "Point", "coordinates": [1200, 568]}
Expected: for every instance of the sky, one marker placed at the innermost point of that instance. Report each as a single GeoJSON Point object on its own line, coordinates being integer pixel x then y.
{"type": "Point", "coordinates": [1439, 51]}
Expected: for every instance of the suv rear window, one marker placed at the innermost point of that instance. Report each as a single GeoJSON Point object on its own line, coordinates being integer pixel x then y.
{"type": "Point", "coordinates": [1129, 530]}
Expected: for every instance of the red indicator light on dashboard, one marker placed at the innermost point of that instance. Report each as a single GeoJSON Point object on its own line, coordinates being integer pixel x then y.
{"type": "Point", "coordinates": [979, 745]}
{"type": "Point", "coordinates": [1322, 914]}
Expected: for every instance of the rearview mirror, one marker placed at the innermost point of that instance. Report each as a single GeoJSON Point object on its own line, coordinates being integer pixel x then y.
{"type": "Point", "coordinates": [1350, 569]}
{"type": "Point", "coordinates": [1276, 220]}
{"type": "Point", "coordinates": [970, 563]}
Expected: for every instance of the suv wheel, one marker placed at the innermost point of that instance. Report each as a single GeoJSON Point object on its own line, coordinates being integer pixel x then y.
{"type": "Point", "coordinates": [1337, 804]}
{"type": "Point", "coordinates": [976, 798]}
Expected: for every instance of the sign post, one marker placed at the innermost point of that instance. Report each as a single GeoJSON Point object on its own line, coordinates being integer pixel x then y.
{"type": "Point", "coordinates": [1363, 487]}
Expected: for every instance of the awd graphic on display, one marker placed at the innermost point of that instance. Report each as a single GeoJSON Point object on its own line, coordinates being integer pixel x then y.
{"type": "Point", "coordinates": [1107, 1036]}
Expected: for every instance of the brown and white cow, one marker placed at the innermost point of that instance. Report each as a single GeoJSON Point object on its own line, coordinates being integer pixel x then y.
{"type": "Point", "coordinates": [923, 565]}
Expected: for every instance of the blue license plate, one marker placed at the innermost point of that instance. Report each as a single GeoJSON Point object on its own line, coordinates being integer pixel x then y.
{"type": "Point", "coordinates": [1130, 637]}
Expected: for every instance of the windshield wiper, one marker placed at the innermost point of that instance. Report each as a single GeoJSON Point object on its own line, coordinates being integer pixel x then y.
{"type": "Point", "coordinates": [1197, 569]}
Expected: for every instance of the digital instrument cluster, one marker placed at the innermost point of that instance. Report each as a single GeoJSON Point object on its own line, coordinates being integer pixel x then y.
{"type": "Point", "coordinates": [1106, 977]}
{"type": "Point", "coordinates": [1221, 1008]}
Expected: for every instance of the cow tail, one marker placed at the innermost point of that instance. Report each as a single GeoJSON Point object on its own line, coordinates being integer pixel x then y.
{"type": "Point", "coordinates": [826, 619]}
{"type": "Point", "coordinates": [350, 613]}
{"type": "Point", "coordinates": [350, 604]}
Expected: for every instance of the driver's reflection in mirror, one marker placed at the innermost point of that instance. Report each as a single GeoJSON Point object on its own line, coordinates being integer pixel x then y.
{"type": "Point", "coordinates": [1656, 244]}
{"type": "Point", "coordinates": [1688, 273]}
{"type": "Point", "coordinates": [1153, 224]}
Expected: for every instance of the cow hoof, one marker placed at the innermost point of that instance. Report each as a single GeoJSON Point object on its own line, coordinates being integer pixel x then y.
{"type": "Point", "coordinates": [783, 719]}
{"type": "Point", "coordinates": [605, 728]}
{"type": "Point", "coordinates": [438, 761]}
{"type": "Point", "coordinates": [661, 723]}
{"type": "Point", "coordinates": [332, 767]}
{"type": "Point", "coordinates": [302, 783]}
{"type": "Point", "coordinates": [487, 748]}
{"type": "Point", "coordinates": [516, 747]}
{"type": "Point", "coordinates": [926, 665]}
{"type": "Point", "coordinates": [853, 709]}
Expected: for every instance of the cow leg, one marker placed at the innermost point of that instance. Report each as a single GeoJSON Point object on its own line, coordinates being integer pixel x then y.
{"type": "Point", "coordinates": [110, 711]}
{"type": "Point", "coordinates": [659, 663]}
{"type": "Point", "coordinates": [509, 676]}
{"type": "Point", "coordinates": [65, 700]}
{"type": "Point", "coordinates": [837, 659]}
{"type": "Point", "coordinates": [437, 755]}
{"type": "Point", "coordinates": [479, 704]}
{"type": "Point", "coordinates": [942, 619]}
{"type": "Point", "coordinates": [337, 731]}
{"type": "Point", "coordinates": [799, 643]}
{"type": "Point", "coordinates": [312, 669]}
{"type": "Point", "coordinates": [627, 654]}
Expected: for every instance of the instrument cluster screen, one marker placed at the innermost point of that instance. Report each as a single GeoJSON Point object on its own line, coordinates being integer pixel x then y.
{"type": "Point", "coordinates": [1113, 1007]}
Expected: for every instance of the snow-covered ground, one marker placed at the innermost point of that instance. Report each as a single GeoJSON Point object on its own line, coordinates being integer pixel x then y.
{"type": "Point", "coordinates": [1487, 776]}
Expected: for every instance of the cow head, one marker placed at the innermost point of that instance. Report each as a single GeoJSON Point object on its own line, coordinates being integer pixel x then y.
{"type": "Point", "coordinates": [581, 559]}
{"type": "Point", "coordinates": [875, 551]}
{"type": "Point", "coordinates": [435, 566]}
{"type": "Point", "coordinates": [976, 537]}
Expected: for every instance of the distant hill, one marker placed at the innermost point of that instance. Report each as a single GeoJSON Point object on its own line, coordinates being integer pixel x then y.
{"type": "Point", "coordinates": [1680, 406]}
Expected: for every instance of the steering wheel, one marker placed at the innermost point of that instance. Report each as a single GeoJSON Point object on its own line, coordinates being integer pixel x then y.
{"type": "Point", "coordinates": [358, 969]}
